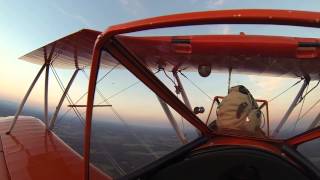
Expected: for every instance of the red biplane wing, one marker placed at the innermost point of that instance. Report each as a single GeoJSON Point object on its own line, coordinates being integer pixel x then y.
{"type": "Point", "coordinates": [33, 152]}
{"type": "Point", "coordinates": [253, 54]}
{"type": "Point", "coordinates": [78, 44]}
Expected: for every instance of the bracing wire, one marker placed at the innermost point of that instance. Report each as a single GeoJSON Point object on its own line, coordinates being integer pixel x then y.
{"type": "Point", "coordinates": [125, 123]}
{"type": "Point", "coordinates": [67, 96]}
{"type": "Point", "coordinates": [84, 94]}
{"type": "Point", "coordinates": [56, 55]}
{"type": "Point", "coordinates": [122, 90]}
{"type": "Point", "coordinates": [311, 107]}
{"type": "Point", "coordinates": [181, 118]}
{"type": "Point", "coordinates": [114, 162]}
{"type": "Point", "coordinates": [119, 92]}
{"type": "Point", "coordinates": [203, 92]}
{"type": "Point", "coordinates": [104, 76]}
{"type": "Point", "coordinates": [111, 159]}
{"type": "Point", "coordinates": [177, 94]}
{"type": "Point", "coordinates": [174, 83]}
{"type": "Point", "coordinates": [307, 92]}
{"type": "Point", "coordinates": [275, 97]}
{"type": "Point", "coordinates": [299, 115]}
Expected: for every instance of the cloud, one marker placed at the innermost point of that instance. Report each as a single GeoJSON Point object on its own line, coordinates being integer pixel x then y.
{"type": "Point", "coordinates": [134, 7]}
{"type": "Point", "coordinates": [268, 83]}
{"type": "Point", "coordinates": [214, 3]}
{"type": "Point", "coordinates": [77, 17]}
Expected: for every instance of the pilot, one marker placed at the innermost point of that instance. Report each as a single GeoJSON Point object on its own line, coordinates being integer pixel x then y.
{"type": "Point", "coordinates": [240, 112]}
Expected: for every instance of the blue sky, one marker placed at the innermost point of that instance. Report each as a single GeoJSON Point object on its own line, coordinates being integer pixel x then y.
{"type": "Point", "coordinates": [27, 25]}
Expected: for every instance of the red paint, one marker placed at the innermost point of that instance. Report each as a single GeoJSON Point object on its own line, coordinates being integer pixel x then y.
{"type": "Point", "coordinates": [90, 99]}
{"type": "Point", "coordinates": [32, 152]}
{"type": "Point", "coordinates": [304, 137]}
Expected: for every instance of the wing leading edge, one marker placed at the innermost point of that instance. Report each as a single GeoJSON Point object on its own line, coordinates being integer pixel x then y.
{"type": "Point", "coordinates": [250, 54]}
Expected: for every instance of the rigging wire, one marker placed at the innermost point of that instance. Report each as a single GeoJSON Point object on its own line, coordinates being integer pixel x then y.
{"type": "Point", "coordinates": [196, 86]}
{"type": "Point", "coordinates": [123, 90]}
{"type": "Point", "coordinates": [119, 92]}
{"type": "Point", "coordinates": [113, 161]}
{"type": "Point", "coordinates": [275, 97]}
{"type": "Point", "coordinates": [125, 123]}
{"type": "Point", "coordinates": [307, 92]}
{"type": "Point", "coordinates": [298, 118]}
{"type": "Point", "coordinates": [174, 83]}
{"type": "Point", "coordinates": [56, 55]}
{"type": "Point", "coordinates": [67, 96]}
{"type": "Point", "coordinates": [311, 107]}
{"type": "Point", "coordinates": [83, 95]}
{"type": "Point", "coordinates": [108, 155]}
{"type": "Point", "coordinates": [177, 92]}
{"type": "Point", "coordinates": [104, 76]}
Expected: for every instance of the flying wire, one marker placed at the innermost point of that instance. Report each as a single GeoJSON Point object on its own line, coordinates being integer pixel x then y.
{"type": "Point", "coordinates": [119, 92]}
{"type": "Point", "coordinates": [84, 94]}
{"type": "Point", "coordinates": [299, 115]}
{"type": "Point", "coordinates": [275, 97]}
{"type": "Point", "coordinates": [203, 92]}
{"type": "Point", "coordinates": [109, 157]}
{"type": "Point", "coordinates": [307, 92]}
{"type": "Point", "coordinates": [126, 124]}
{"type": "Point", "coordinates": [311, 107]}
{"type": "Point", "coordinates": [122, 90]}
{"type": "Point", "coordinates": [67, 96]}
{"type": "Point", "coordinates": [174, 83]}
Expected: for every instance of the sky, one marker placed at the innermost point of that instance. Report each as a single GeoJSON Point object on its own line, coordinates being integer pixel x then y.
{"type": "Point", "coordinates": [27, 25]}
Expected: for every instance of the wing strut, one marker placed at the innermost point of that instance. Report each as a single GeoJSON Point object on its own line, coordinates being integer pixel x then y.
{"type": "Point", "coordinates": [181, 89]}
{"type": "Point", "coordinates": [25, 98]}
{"type": "Point", "coordinates": [172, 121]}
{"type": "Point", "coordinates": [46, 65]}
{"type": "Point", "coordinates": [292, 106]}
{"type": "Point", "coordinates": [48, 60]}
{"type": "Point", "coordinates": [66, 90]}
{"type": "Point", "coordinates": [54, 117]}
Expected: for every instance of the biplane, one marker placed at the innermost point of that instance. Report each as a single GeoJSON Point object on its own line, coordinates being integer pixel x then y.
{"type": "Point", "coordinates": [30, 149]}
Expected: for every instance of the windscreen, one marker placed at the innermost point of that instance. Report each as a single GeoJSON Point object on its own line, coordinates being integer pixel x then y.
{"type": "Point", "coordinates": [244, 84]}
{"type": "Point", "coordinates": [131, 125]}
{"type": "Point", "coordinates": [230, 79]}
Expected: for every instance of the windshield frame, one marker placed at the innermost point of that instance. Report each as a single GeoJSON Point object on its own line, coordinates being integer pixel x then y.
{"type": "Point", "coordinates": [106, 41]}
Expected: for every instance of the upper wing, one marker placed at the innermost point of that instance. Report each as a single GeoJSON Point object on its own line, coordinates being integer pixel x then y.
{"type": "Point", "coordinates": [252, 54]}
{"type": "Point", "coordinates": [79, 44]}
{"type": "Point", "coordinates": [249, 54]}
